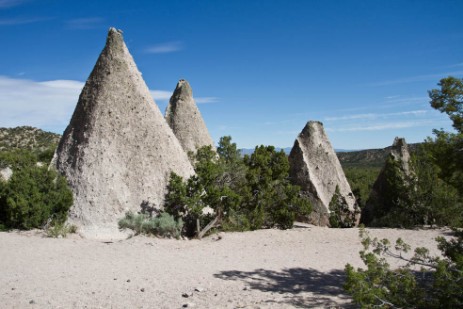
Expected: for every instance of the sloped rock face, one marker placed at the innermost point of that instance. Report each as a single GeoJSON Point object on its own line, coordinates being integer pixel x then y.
{"type": "Point", "coordinates": [184, 118]}
{"type": "Point", "coordinates": [400, 153]}
{"type": "Point", "coordinates": [117, 151]}
{"type": "Point", "coordinates": [378, 203]}
{"type": "Point", "coordinates": [315, 167]}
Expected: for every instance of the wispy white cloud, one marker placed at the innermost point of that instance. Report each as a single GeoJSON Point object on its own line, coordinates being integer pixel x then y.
{"type": "Point", "coordinates": [278, 122]}
{"type": "Point", "coordinates": [412, 79]}
{"type": "Point", "coordinates": [349, 117]}
{"type": "Point", "coordinates": [383, 126]}
{"type": "Point", "coordinates": [48, 104]}
{"type": "Point", "coordinates": [168, 47]}
{"type": "Point", "coordinates": [206, 100]}
{"type": "Point", "coordinates": [372, 116]}
{"type": "Point", "coordinates": [455, 65]}
{"type": "Point", "coordinates": [85, 23]}
{"type": "Point", "coordinates": [401, 99]}
{"type": "Point", "coordinates": [10, 3]}
{"type": "Point", "coordinates": [393, 97]}
{"type": "Point", "coordinates": [407, 113]}
{"type": "Point", "coordinates": [21, 20]}
{"type": "Point", "coordinates": [161, 95]}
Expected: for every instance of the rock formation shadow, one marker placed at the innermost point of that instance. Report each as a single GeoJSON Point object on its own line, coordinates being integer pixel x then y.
{"type": "Point", "coordinates": [321, 287]}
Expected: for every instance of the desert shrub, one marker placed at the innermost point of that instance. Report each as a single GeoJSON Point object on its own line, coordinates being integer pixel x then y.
{"type": "Point", "coordinates": [340, 215]}
{"type": "Point", "coordinates": [270, 200]}
{"type": "Point", "coordinates": [162, 225]}
{"type": "Point", "coordinates": [184, 200]}
{"type": "Point", "coordinates": [438, 284]}
{"type": "Point", "coordinates": [215, 187]}
{"type": "Point", "coordinates": [60, 230]}
{"type": "Point", "coordinates": [247, 193]}
{"type": "Point", "coordinates": [133, 221]}
{"type": "Point", "coordinates": [436, 201]}
{"type": "Point", "coordinates": [361, 180]}
{"type": "Point", "coordinates": [32, 196]}
{"type": "Point", "coordinates": [236, 221]}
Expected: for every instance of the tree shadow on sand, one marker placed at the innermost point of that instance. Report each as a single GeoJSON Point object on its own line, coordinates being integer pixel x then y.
{"type": "Point", "coordinates": [307, 287]}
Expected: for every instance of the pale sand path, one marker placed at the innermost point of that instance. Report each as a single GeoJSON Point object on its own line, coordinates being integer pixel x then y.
{"type": "Point", "coordinates": [302, 267]}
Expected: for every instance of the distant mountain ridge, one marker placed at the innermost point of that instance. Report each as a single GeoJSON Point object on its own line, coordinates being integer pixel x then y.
{"type": "Point", "coordinates": [26, 137]}
{"type": "Point", "coordinates": [351, 158]}
{"type": "Point", "coordinates": [369, 157]}
{"type": "Point", "coordinates": [287, 150]}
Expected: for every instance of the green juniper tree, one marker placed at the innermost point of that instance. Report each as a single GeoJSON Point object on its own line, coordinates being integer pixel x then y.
{"type": "Point", "coordinates": [246, 193]}
{"type": "Point", "coordinates": [270, 199]}
{"type": "Point", "coordinates": [33, 195]}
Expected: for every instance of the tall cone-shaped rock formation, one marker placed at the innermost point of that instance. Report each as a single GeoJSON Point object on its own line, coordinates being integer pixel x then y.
{"type": "Point", "coordinates": [315, 167]}
{"type": "Point", "coordinates": [117, 151]}
{"type": "Point", "coordinates": [393, 177]}
{"type": "Point", "coordinates": [184, 118]}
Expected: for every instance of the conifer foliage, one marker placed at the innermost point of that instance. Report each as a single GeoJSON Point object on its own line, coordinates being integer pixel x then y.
{"type": "Point", "coordinates": [33, 195]}
{"type": "Point", "coordinates": [249, 192]}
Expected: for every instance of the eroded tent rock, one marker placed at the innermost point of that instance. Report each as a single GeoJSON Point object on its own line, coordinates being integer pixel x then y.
{"type": "Point", "coordinates": [184, 118]}
{"type": "Point", "coordinates": [117, 151]}
{"type": "Point", "coordinates": [315, 167]}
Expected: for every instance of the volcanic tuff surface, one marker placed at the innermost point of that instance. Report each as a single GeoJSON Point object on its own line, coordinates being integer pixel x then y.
{"type": "Point", "coordinates": [184, 118]}
{"type": "Point", "coordinates": [117, 152]}
{"type": "Point", "coordinates": [315, 167]}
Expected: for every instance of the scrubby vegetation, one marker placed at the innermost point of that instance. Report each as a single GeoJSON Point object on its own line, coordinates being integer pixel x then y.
{"type": "Point", "coordinates": [163, 224]}
{"type": "Point", "coordinates": [28, 138]}
{"type": "Point", "coordinates": [361, 179]}
{"type": "Point", "coordinates": [368, 158]}
{"type": "Point", "coordinates": [33, 195]}
{"type": "Point", "coordinates": [59, 230]}
{"type": "Point", "coordinates": [424, 281]}
{"type": "Point", "coordinates": [246, 193]}
{"type": "Point", "coordinates": [433, 194]}
{"type": "Point", "coordinates": [340, 215]}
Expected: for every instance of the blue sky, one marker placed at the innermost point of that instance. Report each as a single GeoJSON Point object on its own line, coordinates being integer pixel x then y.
{"type": "Point", "coordinates": [259, 69]}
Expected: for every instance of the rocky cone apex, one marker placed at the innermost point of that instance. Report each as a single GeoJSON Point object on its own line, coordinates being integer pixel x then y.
{"type": "Point", "coordinates": [184, 118]}
{"type": "Point", "coordinates": [315, 167]}
{"type": "Point", "coordinates": [117, 151]}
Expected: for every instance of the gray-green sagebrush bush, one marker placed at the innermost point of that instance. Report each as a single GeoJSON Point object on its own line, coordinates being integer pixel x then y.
{"type": "Point", "coordinates": [423, 282]}
{"type": "Point", "coordinates": [163, 224]}
{"type": "Point", "coordinates": [33, 195]}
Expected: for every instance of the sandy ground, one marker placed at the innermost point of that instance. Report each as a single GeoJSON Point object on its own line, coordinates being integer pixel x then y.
{"type": "Point", "coordinates": [302, 267]}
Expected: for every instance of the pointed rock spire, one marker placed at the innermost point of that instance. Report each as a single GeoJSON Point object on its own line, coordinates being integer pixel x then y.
{"type": "Point", "coordinates": [315, 167]}
{"type": "Point", "coordinates": [184, 118]}
{"type": "Point", "coordinates": [117, 151]}
{"type": "Point", "coordinates": [399, 151]}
